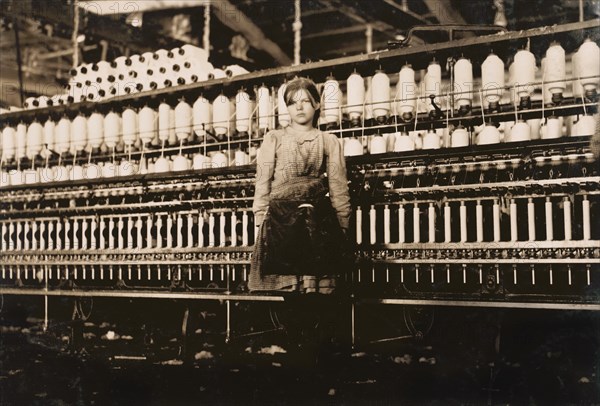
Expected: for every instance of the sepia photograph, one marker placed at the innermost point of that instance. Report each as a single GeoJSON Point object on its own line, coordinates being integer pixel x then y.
{"type": "Point", "coordinates": [299, 202]}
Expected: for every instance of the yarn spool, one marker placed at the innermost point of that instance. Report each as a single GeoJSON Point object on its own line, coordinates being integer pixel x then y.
{"type": "Point", "coordinates": [263, 97]}
{"type": "Point", "coordinates": [380, 95]}
{"type": "Point", "coordinates": [95, 129]}
{"type": "Point", "coordinates": [378, 145]}
{"type": "Point", "coordinates": [243, 111]}
{"type": "Point", "coordinates": [355, 89]}
{"type": "Point", "coordinates": [404, 142]}
{"type": "Point", "coordinates": [164, 118]}
{"type": "Point", "coordinates": [62, 136]}
{"type": "Point", "coordinates": [235, 70]}
{"type": "Point", "coordinates": [221, 115]}
{"type": "Point", "coordinates": [492, 81]}
{"type": "Point", "coordinates": [147, 124]}
{"type": "Point", "coordinates": [217, 73]}
{"type": "Point", "coordinates": [460, 137]}
{"type": "Point", "coordinates": [283, 116]}
{"type": "Point", "coordinates": [406, 93]}
{"type": "Point", "coordinates": [181, 163]}
{"type": "Point", "coordinates": [35, 135]}
{"type": "Point", "coordinates": [431, 140]}
{"type": "Point", "coordinates": [49, 130]}
{"type": "Point", "coordinates": [588, 67]}
{"type": "Point", "coordinates": [112, 129]}
{"type": "Point", "coordinates": [219, 160]}
{"type": "Point", "coordinates": [183, 121]}
{"type": "Point", "coordinates": [489, 135]}
{"type": "Point", "coordinates": [192, 52]}
{"type": "Point", "coordinates": [555, 71]}
{"type": "Point", "coordinates": [523, 75]}
{"type": "Point", "coordinates": [432, 85]}
{"type": "Point", "coordinates": [130, 127]}
{"type": "Point", "coordinates": [79, 135]}
{"type": "Point", "coordinates": [520, 132]}
{"type": "Point", "coordinates": [331, 100]}
{"type": "Point", "coordinates": [8, 143]}
{"type": "Point", "coordinates": [201, 116]}
{"type": "Point", "coordinates": [463, 85]}
{"type": "Point", "coordinates": [353, 147]}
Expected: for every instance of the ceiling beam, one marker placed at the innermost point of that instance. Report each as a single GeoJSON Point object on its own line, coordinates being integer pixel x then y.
{"type": "Point", "coordinates": [349, 49]}
{"type": "Point", "coordinates": [444, 12]}
{"type": "Point", "coordinates": [108, 27]}
{"type": "Point", "coordinates": [233, 18]}
{"type": "Point", "coordinates": [316, 12]}
{"type": "Point", "coordinates": [352, 14]}
{"type": "Point", "coordinates": [407, 11]}
{"type": "Point", "coordinates": [338, 31]}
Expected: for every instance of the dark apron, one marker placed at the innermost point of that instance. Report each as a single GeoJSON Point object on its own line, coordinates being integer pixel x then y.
{"type": "Point", "coordinates": [303, 236]}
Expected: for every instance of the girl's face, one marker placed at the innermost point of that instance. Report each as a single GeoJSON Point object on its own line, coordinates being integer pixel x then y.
{"type": "Point", "coordinates": [301, 109]}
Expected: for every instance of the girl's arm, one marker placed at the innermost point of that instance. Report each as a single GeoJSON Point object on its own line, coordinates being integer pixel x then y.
{"type": "Point", "coordinates": [265, 169]}
{"type": "Point", "coordinates": [338, 181]}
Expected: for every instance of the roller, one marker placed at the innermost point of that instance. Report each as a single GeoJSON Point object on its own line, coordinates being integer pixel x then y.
{"type": "Point", "coordinates": [567, 218]}
{"type": "Point", "coordinates": [380, 95]}
{"type": "Point", "coordinates": [190, 227]}
{"type": "Point", "coordinates": [211, 230]}
{"type": "Point", "coordinates": [496, 215]}
{"type": "Point", "coordinates": [67, 239]}
{"type": "Point", "coordinates": [93, 227]}
{"type": "Point", "coordinates": [531, 219]}
{"type": "Point", "coordinates": [84, 238]}
{"type": "Point", "coordinates": [549, 220]}
{"type": "Point", "coordinates": [447, 223]}
{"type": "Point", "coordinates": [431, 222]}
{"type": "Point", "coordinates": [222, 223]}
{"type": "Point", "coordinates": [401, 226]}
{"type": "Point", "coordinates": [585, 206]}
{"type": "Point", "coordinates": [169, 231]}
{"type": "Point", "coordinates": [331, 96]}
{"type": "Point", "coordinates": [149, 227]}
{"type": "Point", "coordinates": [355, 89]}
{"type": "Point", "coordinates": [233, 229]}
{"type": "Point", "coordinates": [245, 228]}
{"type": "Point", "coordinates": [159, 224]}
{"type": "Point", "coordinates": [179, 231]}
{"type": "Point", "coordinates": [416, 223]}
{"type": "Point", "coordinates": [513, 221]}
{"type": "Point", "coordinates": [200, 230]}
{"type": "Point", "coordinates": [479, 220]}
{"type": "Point", "coordinates": [358, 225]}
{"type": "Point", "coordinates": [243, 111]}
{"type": "Point", "coordinates": [75, 231]}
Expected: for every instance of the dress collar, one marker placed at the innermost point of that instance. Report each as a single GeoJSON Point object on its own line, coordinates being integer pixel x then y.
{"type": "Point", "coordinates": [302, 136]}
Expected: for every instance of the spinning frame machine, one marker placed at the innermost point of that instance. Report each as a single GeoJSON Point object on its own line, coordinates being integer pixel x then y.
{"type": "Point", "coordinates": [505, 224]}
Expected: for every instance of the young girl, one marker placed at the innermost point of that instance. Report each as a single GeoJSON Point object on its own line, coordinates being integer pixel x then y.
{"type": "Point", "coordinates": [301, 201]}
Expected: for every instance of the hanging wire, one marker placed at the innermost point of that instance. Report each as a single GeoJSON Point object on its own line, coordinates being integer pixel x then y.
{"type": "Point", "coordinates": [543, 94]}
{"type": "Point", "coordinates": [75, 33]}
{"type": "Point", "coordinates": [206, 32]}
{"type": "Point", "coordinates": [297, 26]}
{"type": "Point", "coordinates": [369, 38]}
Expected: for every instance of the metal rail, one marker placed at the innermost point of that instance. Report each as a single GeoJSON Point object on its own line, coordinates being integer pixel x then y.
{"type": "Point", "coordinates": [486, 303]}
{"type": "Point", "coordinates": [281, 298]}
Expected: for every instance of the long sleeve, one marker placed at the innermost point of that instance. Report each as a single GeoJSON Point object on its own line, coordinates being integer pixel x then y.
{"type": "Point", "coordinates": [265, 169]}
{"type": "Point", "coordinates": [338, 181]}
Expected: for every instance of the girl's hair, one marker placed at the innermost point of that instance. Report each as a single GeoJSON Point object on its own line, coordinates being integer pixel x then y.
{"type": "Point", "coordinates": [301, 83]}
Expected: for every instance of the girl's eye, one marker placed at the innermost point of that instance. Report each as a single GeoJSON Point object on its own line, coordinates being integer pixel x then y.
{"type": "Point", "coordinates": [297, 102]}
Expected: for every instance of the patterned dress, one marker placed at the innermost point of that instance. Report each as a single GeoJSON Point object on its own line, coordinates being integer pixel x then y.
{"type": "Point", "coordinates": [287, 163]}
